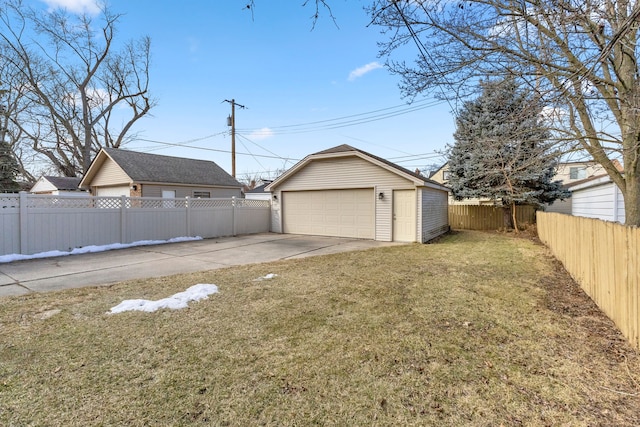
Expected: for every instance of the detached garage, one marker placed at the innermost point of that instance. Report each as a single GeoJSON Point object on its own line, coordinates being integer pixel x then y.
{"type": "Point", "coordinates": [346, 192]}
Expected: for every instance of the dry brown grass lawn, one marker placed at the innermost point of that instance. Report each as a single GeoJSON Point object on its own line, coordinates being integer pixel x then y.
{"type": "Point", "coordinates": [477, 329]}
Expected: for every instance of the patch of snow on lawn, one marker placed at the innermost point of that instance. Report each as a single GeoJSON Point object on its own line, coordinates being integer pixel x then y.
{"type": "Point", "coordinates": [174, 302]}
{"type": "Point", "coordinates": [94, 248]}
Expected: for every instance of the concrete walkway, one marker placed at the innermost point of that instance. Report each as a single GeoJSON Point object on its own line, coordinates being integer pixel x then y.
{"type": "Point", "coordinates": [75, 271]}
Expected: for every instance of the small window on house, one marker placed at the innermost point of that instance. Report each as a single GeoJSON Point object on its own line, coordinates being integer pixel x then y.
{"type": "Point", "coordinates": [446, 175]}
{"type": "Point", "coordinates": [577, 173]}
{"type": "Point", "coordinates": [201, 195]}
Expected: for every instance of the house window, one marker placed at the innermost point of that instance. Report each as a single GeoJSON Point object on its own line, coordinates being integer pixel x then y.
{"type": "Point", "coordinates": [446, 175]}
{"type": "Point", "coordinates": [202, 194]}
{"type": "Point", "coordinates": [577, 173]}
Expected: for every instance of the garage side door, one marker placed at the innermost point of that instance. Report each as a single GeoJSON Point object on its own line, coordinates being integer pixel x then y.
{"type": "Point", "coordinates": [340, 213]}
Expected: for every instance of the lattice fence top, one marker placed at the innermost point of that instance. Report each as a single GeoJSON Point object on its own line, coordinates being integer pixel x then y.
{"type": "Point", "coordinates": [9, 201]}
{"type": "Point", "coordinates": [211, 203]}
{"type": "Point", "coordinates": [109, 202]}
{"type": "Point", "coordinates": [46, 201]}
{"type": "Point", "coordinates": [59, 202]}
{"type": "Point", "coordinates": [252, 203]}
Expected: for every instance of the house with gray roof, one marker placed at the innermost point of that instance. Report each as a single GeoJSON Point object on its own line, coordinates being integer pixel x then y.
{"type": "Point", "coordinates": [258, 192]}
{"type": "Point", "coordinates": [116, 172]}
{"type": "Point", "coordinates": [58, 185]}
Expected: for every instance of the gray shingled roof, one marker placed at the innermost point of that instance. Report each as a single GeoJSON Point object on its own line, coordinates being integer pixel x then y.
{"type": "Point", "coordinates": [64, 182]}
{"type": "Point", "coordinates": [259, 189]}
{"type": "Point", "coordinates": [346, 148]}
{"type": "Point", "coordinates": [145, 167]}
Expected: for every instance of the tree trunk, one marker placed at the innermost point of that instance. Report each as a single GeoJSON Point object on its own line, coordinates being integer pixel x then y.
{"type": "Point", "coordinates": [506, 213]}
{"type": "Point", "coordinates": [513, 216]}
{"type": "Point", "coordinates": [632, 200]}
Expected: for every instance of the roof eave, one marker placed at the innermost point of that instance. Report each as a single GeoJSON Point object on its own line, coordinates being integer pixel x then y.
{"type": "Point", "coordinates": [436, 186]}
{"type": "Point", "coordinates": [311, 157]}
{"type": "Point", "coordinates": [181, 184]}
{"type": "Point", "coordinates": [95, 166]}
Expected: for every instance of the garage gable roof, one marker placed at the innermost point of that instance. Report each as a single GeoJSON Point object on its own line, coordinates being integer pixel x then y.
{"type": "Point", "coordinates": [151, 168]}
{"type": "Point", "coordinates": [52, 183]}
{"type": "Point", "coordinates": [345, 150]}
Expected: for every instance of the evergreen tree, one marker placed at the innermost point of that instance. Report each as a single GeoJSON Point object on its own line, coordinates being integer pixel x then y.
{"type": "Point", "coordinates": [501, 150]}
{"type": "Point", "coordinates": [8, 169]}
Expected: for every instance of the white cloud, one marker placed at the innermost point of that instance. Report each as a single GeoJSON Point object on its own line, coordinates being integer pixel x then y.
{"type": "Point", "coordinates": [260, 134]}
{"type": "Point", "coordinates": [361, 71]}
{"type": "Point", "coordinates": [75, 6]}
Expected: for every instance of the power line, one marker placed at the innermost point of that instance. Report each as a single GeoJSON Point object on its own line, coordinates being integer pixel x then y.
{"type": "Point", "coordinates": [326, 124]}
{"type": "Point", "coordinates": [345, 121]}
{"type": "Point", "coordinates": [339, 122]}
{"type": "Point", "coordinates": [258, 145]}
{"type": "Point", "coordinates": [173, 144]}
{"type": "Point", "coordinates": [404, 106]}
{"type": "Point", "coordinates": [252, 155]}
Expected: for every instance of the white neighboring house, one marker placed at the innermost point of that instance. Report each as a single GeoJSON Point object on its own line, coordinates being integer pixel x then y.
{"type": "Point", "coordinates": [59, 186]}
{"type": "Point", "coordinates": [597, 197]}
{"type": "Point", "coordinates": [259, 193]}
{"type": "Point", "coordinates": [570, 173]}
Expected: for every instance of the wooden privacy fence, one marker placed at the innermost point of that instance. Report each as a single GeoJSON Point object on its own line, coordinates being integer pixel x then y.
{"type": "Point", "coordinates": [481, 217]}
{"type": "Point", "coordinates": [603, 258]}
{"type": "Point", "coordinates": [31, 223]}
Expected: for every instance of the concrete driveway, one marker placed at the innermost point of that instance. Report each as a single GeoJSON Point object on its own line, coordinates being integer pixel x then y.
{"type": "Point", "coordinates": [75, 271]}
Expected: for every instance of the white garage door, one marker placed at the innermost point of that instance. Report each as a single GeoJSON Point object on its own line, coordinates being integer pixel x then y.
{"type": "Point", "coordinates": [341, 213]}
{"type": "Point", "coordinates": [113, 191]}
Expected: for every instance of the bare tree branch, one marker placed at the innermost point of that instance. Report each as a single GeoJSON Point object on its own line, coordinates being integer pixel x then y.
{"type": "Point", "coordinates": [579, 56]}
{"type": "Point", "coordinates": [76, 78]}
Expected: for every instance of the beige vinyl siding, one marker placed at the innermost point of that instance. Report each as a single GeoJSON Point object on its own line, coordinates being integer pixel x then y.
{"type": "Point", "coordinates": [276, 215]}
{"type": "Point", "coordinates": [341, 173]}
{"type": "Point", "coordinates": [433, 217]}
{"type": "Point", "coordinates": [439, 176]}
{"type": "Point", "coordinates": [43, 186]}
{"type": "Point", "coordinates": [384, 214]}
{"type": "Point", "coordinates": [155, 190]}
{"type": "Point", "coordinates": [110, 174]}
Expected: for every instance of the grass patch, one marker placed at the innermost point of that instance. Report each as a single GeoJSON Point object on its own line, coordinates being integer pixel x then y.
{"type": "Point", "coordinates": [476, 329]}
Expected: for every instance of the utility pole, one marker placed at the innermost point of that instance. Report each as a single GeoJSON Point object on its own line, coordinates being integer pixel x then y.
{"type": "Point", "coordinates": [231, 121]}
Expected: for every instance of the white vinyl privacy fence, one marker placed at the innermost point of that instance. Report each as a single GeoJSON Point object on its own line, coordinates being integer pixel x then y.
{"type": "Point", "coordinates": [31, 223]}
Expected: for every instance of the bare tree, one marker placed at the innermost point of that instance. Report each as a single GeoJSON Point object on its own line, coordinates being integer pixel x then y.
{"type": "Point", "coordinates": [579, 56]}
{"type": "Point", "coordinates": [13, 102]}
{"type": "Point", "coordinates": [78, 90]}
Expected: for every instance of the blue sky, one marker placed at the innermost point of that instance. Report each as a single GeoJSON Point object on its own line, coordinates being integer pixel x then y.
{"type": "Point", "coordinates": [285, 72]}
